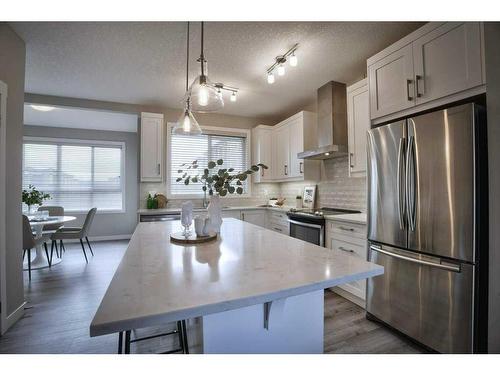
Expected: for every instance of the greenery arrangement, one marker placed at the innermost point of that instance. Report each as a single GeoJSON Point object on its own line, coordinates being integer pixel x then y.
{"type": "Point", "coordinates": [216, 179]}
{"type": "Point", "coordinates": [32, 196]}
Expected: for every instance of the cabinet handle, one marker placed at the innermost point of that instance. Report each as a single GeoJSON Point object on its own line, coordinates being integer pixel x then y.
{"type": "Point", "coordinates": [286, 170]}
{"type": "Point", "coordinates": [347, 229]}
{"type": "Point", "coordinates": [300, 167]}
{"type": "Point", "coordinates": [408, 83]}
{"type": "Point", "coordinates": [158, 167]}
{"type": "Point", "coordinates": [243, 216]}
{"type": "Point", "coordinates": [262, 172]}
{"type": "Point", "coordinates": [350, 159]}
{"type": "Point", "coordinates": [417, 78]}
{"type": "Point", "coordinates": [278, 229]}
{"type": "Point", "coordinates": [346, 250]}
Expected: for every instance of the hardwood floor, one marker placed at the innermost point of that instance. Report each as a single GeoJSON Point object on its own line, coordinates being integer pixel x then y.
{"type": "Point", "coordinates": [62, 302]}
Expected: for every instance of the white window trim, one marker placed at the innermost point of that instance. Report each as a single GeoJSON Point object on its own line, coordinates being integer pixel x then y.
{"type": "Point", "coordinates": [88, 142]}
{"type": "Point", "coordinates": [225, 130]}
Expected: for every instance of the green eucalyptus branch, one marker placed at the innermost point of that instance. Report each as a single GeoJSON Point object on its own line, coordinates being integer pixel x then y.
{"type": "Point", "coordinates": [215, 178]}
{"type": "Point", "coordinates": [32, 196]}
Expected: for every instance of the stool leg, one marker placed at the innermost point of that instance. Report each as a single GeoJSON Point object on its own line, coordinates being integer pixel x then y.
{"type": "Point", "coordinates": [184, 333]}
{"type": "Point", "coordinates": [47, 254]}
{"type": "Point", "coordinates": [90, 247]}
{"type": "Point", "coordinates": [127, 342]}
{"type": "Point", "coordinates": [181, 336]}
{"type": "Point", "coordinates": [120, 342]}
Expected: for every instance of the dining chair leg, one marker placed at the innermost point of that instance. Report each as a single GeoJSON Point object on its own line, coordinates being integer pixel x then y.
{"type": "Point", "coordinates": [84, 253]}
{"type": "Point", "coordinates": [127, 342]}
{"type": "Point", "coordinates": [61, 247]}
{"type": "Point", "coordinates": [54, 244]}
{"type": "Point", "coordinates": [24, 254]}
{"type": "Point", "coordinates": [90, 247]}
{"type": "Point", "coordinates": [29, 264]}
{"type": "Point", "coordinates": [49, 261]}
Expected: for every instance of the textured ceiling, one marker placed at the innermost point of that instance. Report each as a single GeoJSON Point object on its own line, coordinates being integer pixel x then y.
{"type": "Point", "coordinates": [144, 63]}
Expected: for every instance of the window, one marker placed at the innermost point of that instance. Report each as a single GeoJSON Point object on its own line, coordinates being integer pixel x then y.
{"type": "Point", "coordinates": [78, 175]}
{"type": "Point", "coordinates": [229, 145]}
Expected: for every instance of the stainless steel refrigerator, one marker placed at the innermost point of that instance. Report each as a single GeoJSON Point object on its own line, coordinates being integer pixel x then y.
{"type": "Point", "coordinates": [427, 213]}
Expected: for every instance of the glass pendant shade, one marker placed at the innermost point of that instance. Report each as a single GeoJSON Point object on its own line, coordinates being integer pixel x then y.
{"type": "Point", "coordinates": [204, 96]}
{"type": "Point", "coordinates": [187, 124]}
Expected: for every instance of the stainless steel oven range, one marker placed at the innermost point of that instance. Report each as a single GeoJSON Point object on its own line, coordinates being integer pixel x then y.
{"type": "Point", "coordinates": [309, 224]}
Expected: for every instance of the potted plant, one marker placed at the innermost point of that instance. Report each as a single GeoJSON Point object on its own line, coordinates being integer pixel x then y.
{"type": "Point", "coordinates": [33, 198]}
{"type": "Point", "coordinates": [218, 182]}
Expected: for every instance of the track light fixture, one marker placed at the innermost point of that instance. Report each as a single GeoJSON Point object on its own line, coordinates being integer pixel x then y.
{"type": "Point", "coordinates": [279, 64]}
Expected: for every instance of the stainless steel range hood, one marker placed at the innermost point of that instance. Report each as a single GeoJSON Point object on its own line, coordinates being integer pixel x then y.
{"type": "Point", "coordinates": [332, 123]}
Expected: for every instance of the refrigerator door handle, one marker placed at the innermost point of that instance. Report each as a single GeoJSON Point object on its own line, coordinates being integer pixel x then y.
{"type": "Point", "coordinates": [400, 183]}
{"type": "Point", "coordinates": [447, 267]}
{"type": "Point", "coordinates": [410, 182]}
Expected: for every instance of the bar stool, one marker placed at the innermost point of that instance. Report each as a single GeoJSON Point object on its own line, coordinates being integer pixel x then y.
{"type": "Point", "coordinates": [181, 331]}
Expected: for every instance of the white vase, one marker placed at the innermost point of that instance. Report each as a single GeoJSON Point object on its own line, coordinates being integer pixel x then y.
{"type": "Point", "coordinates": [215, 213]}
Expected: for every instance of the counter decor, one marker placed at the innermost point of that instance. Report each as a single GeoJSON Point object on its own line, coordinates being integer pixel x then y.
{"type": "Point", "coordinates": [218, 182]}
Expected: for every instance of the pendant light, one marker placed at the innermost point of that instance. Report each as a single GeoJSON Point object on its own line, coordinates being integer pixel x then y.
{"type": "Point", "coordinates": [204, 95]}
{"type": "Point", "coordinates": [187, 124]}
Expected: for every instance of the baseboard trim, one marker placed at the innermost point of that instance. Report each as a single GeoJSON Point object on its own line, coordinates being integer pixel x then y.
{"type": "Point", "coordinates": [114, 237]}
{"type": "Point", "coordinates": [349, 296]}
{"type": "Point", "coordinates": [13, 317]}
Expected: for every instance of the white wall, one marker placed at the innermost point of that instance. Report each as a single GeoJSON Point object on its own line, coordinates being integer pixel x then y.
{"type": "Point", "coordinates": [12, 66]}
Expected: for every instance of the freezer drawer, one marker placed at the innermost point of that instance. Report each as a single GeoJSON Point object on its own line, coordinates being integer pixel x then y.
{"type": "Point", "coordinates": [428, 300]}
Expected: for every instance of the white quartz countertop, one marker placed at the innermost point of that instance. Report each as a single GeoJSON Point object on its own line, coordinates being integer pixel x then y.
{"type": "Point", "coordinates": [350, 218]}
{"type": "Point", "coordinates": [158, 281]}
{"type": "Point", "coordinates": [160, 211]}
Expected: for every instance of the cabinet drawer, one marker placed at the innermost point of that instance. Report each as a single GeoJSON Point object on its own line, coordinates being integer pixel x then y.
{"type": "Point", "coordinates": [278, 218]}
{"type": "Point", "coordinates": [347, 229]}
{"type": "Point", "coordinates": [283, 229]}
{"type": "Point", "coordinates": [349, 248]}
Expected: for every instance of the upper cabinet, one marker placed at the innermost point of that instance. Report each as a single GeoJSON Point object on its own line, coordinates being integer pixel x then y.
{"type": "Point", "coordinates": [434, 65]}
{"type": "Point", "coordinates": [277, 147]}
{"type": "Point", "coordinates": [152, 126]}
{"type": "Point", "coordinates": [262, 152]}
{"type": "Point", "coordinates": [447, 60]}
{"type": "Point", "coordinates": [391, 83]}
{"type": "Point", "coordinates": [358, 123]}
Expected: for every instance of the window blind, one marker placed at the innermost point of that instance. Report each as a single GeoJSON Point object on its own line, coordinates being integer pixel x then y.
{"type": "Point", "coordinates": [77, 176]}
{"type": "Point", "coordinates": [204, 148]}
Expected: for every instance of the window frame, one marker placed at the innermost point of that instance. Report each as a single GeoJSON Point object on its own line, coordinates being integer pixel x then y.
{"type": "Point", "coordinates": [213, 129]}
{"type": "Point", "coordinates": [87, 142]}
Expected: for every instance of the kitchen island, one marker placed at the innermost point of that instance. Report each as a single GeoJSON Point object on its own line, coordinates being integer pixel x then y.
{"type": "Point", "coordinates": [250, 291]}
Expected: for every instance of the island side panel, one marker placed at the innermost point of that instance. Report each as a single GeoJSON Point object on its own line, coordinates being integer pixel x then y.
{"type": "Point", "coordinates": [295, 326]}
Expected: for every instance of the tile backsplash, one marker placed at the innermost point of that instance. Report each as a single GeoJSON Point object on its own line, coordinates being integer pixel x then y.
{"type": "Point", "coordinates": [336, 189]}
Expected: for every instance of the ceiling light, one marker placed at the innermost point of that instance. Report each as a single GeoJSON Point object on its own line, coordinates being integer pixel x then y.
{"type": "Point", "coordinates": [279, 63]}
{"type": "Point", "coordinates": [233, 97]}
{"type": "Point", "coordinates": [281, 70]}
{"type": "Point", "coordinates": [42, 108]}
{"type": "Point", "coordinates": [187, 124]}
{"type": "Point", "coordinates": [270, 78]}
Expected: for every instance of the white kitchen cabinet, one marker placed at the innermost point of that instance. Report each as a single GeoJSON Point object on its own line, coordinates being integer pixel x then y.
{"type": "Point", "coordinates": [439, 63]}
{"type": "Point", "coordinates": [391, 83]}
{"type": "Point", "coordinates": [350, 239]}
{"type": "Point", "coordinates": [257, 217]}
{"type": "Point", "coordinates": [447, 60]}
{"type": "Point", "coordinates": [278, 221]}
{"type": "Point", "coordinates": [358, 123]}
{"type": "Point", "coordinates": [281, 152]}
{"type": "Point", "coordinates": [262, 152]}
{"type": "Point", "coordinates": [152, 167]}
{"type": "Point", "coordinates": [290, 137]}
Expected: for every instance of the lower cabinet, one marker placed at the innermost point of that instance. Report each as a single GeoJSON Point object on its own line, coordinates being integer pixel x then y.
{"type": "Point", "coordinates": [257, 217]}
{"type": "Point", "coordinates": [278, 222]}
{"type": "Point", "coordinates": [235, 214]}
{"type": "Point", "coordinates": [349, 238]}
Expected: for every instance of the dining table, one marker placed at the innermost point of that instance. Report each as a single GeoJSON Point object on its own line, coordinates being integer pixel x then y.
{"type": "Point", "coordinates": [37, 223]}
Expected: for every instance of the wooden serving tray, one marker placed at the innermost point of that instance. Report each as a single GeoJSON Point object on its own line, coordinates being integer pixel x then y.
{"type": "Point", "coordinates": [180, 238]}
